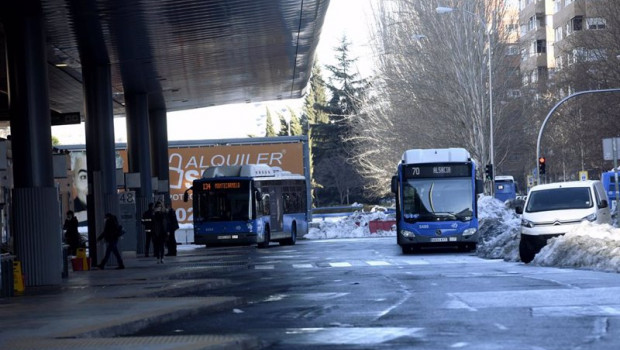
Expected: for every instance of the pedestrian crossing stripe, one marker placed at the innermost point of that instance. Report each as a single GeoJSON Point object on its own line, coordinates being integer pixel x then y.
{"type": "Point", "coordinates": [358, 263]}
{"type": "Point", "coordinates": [303, 266]}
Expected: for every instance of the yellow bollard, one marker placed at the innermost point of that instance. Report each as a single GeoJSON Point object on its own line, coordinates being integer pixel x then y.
{"type": "Point", "coordinates": [18, 277]}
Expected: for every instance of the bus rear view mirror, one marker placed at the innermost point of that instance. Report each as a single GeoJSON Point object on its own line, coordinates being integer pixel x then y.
{"type": "Point", "coordinates": [394, 184]}
{"type": "Point", "coordinates": [479, 186]}
{"type": "Point", "coordinates": [258, 195]}
{"type": "Point", "coordinates": [186, 195]}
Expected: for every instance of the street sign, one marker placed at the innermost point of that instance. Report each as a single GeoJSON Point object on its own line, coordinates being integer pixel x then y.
{"type": "Point", "coordinates": [608, 148]}
{"type": "Point", "coordinates": [66, 118]}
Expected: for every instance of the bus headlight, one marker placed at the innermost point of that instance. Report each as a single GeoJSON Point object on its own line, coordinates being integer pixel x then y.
{"type": "Point", "coordinates": [469, 232]}
{"type": "Point", "coordinates": [406, 233]}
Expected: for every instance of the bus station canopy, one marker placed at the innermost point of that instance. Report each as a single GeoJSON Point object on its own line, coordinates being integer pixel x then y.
{"type": "Point", "coordinates": [184, 54]}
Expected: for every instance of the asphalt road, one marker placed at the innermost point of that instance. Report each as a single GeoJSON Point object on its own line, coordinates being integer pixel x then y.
{"type": "Point", "coordinates": [365, 294]}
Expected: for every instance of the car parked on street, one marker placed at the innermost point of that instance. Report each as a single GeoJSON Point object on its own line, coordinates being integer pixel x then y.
{"type": "Point", "coordinates": [553, 209]}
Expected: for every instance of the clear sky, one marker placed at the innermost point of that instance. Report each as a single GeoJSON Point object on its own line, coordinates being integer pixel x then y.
{"type": "Point", "coordinates": [344, 17]}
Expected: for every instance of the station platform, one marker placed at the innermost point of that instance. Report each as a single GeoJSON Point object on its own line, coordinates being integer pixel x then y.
{"type": "Point", "coordinates": [101, 309]}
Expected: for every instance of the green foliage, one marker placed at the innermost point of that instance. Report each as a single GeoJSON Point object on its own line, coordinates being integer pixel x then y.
{"type": "Point", "coordinates": [269, 130]}
{"type": "Point", "coordinates": [284, 127]}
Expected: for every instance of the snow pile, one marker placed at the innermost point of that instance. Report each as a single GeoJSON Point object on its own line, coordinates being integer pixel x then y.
{"type": "Point", "coordinates": [588, 246]}
{"type": "Point", "coordinates": [352, 226]}
{"type": "Point", "coordinates": [499, 228]}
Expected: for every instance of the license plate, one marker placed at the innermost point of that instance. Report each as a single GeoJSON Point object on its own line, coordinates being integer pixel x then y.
{"type": "Point", "coordinates": [223, 237]}
{"type": "Point", "coordinates": [439, 239]}
{"type": "Point", "coordinates": [235, 236]}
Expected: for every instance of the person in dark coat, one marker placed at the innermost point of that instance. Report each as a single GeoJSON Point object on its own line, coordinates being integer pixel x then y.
{"type": "Point", "coordinates": [111, 234]}
{"type": "Point", "coordinates": [147, 218]}
{"type": "Point", "coordinates": [173, 225]}
{"type": "Point", "coordinates": [72, 236]}
{"type": "Point", "coordinates": [159, 231]}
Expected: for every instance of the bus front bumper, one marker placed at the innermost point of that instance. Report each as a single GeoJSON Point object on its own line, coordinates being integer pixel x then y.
{"type": "Point", "coordinates": [406, 238]}
{"type": "Point", "coordinates": [225, 239]}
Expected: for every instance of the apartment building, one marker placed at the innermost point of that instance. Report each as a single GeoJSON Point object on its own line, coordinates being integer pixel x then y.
{"type": "Point", "coordinates": [537, 42]}
{"type": "Point", "coordinates": [546, 27]}
{"type": "Point", "coordinates": [572, 18]}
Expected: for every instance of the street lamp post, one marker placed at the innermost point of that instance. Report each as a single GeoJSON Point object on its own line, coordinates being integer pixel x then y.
{"type": "Point", "coordinates": [443, 10]}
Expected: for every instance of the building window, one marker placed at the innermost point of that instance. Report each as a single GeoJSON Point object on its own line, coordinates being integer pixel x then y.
{"type": "Point", "coordinates": [559, 34]}
{"type": "Point", "coordinates": [576, 23]}
{"type": "Point", "coordinates": [513, 93]}
{"type": "Point", "coordinates": [596, 23]}
{"type": "Point", "coordinates": [512, 50]}
{"type": "Point", "coordinates": [541, 46]}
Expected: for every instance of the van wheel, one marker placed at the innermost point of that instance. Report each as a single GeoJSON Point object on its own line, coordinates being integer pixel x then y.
{"type": "Point", "coordinates": [265, 243]}
{"type": "Point", "coordinates": [526, 251]}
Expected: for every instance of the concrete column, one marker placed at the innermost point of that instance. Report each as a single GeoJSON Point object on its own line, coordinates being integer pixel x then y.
{"type": "Point", "coordinates": [100, 152]}
{"type": "Point", "coordinates": [36, 209]}
{"type": "Point", "coordinates": [159, 146]}
{"type": "Point", "coordinates": [139, 154]}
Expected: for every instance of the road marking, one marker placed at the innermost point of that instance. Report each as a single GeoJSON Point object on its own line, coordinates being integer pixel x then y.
{"type": "Point", "coordinates": [264, 267]}
{"type": "Point", "coordinates": [378, 263]}
{"type": "Point", "coordinates": [303, 266]}
{"type": "Point", "coordinates": [340, 264]}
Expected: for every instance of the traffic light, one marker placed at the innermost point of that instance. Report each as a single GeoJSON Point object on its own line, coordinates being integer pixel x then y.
{"type": "Point", "coordinates": [541, 165]}
{"type": "Point", "coordinates": [488, 170]}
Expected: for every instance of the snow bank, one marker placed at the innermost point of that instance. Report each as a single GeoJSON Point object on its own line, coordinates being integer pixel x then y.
{"type": "Point", "coordinates": [352, 226]}
{"type": "Point", "coordinates": [589, 246]}
{"type": "Point", "coordinates": [499, 228]}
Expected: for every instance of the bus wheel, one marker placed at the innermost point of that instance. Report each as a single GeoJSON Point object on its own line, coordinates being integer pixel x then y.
{"type": "Point", "coordinates": [293, 239]}
{"type": "Point", "coordinates": [265, 243]}
{"type": "Point", "coordinates": [407, 249]}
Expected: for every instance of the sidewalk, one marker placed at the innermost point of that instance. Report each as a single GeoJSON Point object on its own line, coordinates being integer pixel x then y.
{"type": "Point", "coordinates": [96, 309]}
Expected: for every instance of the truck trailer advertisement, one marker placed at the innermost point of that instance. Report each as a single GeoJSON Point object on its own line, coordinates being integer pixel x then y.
{"type": "Point", "coordinates": [188, 159]}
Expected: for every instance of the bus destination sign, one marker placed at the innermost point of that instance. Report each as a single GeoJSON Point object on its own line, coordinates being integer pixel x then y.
{"type": "Point", "coordinates": [208, 186]}
{"type": "Point", "coordinates": [437, 170]}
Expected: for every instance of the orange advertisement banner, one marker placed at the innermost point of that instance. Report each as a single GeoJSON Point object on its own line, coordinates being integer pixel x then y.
{"type": "Point", "coordinates": [186, 164]}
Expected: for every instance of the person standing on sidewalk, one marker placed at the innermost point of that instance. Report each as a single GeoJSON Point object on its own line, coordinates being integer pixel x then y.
{"type": "Point", "coordinates": [159, 232]}
{"type": "Point", "coordinates": [173, 225]}
{"type": "Point", "coordinates": [111, 233]}
{"type": "Point", "coordinates": [72, 236]}
{"type": "Point", "coordinates": [147, 221]}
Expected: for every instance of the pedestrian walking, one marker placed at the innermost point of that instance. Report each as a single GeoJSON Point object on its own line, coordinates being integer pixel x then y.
{"type": "Point", "coordinates": [72, 236]}
{"type": "Point", "coordinates": [159, 231]}
{"type": "Point", "coordinates": [111, 233]}
{"type": "Point", "coordinates": [173, 225]}
{"type": "Point", "coordinates": [147, 221]}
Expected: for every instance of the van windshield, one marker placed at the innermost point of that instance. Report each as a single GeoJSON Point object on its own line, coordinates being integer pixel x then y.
{"type": "Point", "coordinates": [559, 199]}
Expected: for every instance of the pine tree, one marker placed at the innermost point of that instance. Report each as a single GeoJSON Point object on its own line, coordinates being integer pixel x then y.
{"type": "Point", "coordinates": [284, 127]}
{"type": "Point", "coordinates": [347, 92]}
{"type": "Point", "coordinates": [269, 130]}
{"type": "Point", "coordinates": [294, 124]}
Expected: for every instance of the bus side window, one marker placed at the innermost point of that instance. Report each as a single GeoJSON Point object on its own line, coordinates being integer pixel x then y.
{"type": "Point", "coordinates": [265, 204]}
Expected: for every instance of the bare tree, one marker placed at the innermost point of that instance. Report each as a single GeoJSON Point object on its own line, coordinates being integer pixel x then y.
{"type": "Point", "coordinates": [431, 88]}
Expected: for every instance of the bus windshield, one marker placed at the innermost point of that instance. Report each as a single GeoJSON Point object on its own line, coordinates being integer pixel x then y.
{"type": "Point", "coordinates": [441, 199]}
{"type": "Point", "coordinates": [223, 201]}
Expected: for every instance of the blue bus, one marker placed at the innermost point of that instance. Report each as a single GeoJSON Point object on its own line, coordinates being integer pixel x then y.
{"type": "Point", "coordinates": [608, 179]}
{"type": "Point", "coordinates": [436, 192]}
{"type": "Point", "coordinates": [505, 188]}
{"type": "Point", "coordinates": [248, 204]}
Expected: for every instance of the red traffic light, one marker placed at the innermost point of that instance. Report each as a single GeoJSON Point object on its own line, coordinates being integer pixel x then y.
{"type": "Point", "coordinates": [541, 160]}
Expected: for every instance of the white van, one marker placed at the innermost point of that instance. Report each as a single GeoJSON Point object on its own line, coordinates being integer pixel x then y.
{"type": "Point", "coordinates": [553, 209]}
